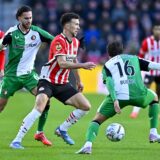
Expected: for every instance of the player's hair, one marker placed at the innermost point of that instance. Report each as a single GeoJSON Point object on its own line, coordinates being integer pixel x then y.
{"type": "Point", "coordinates": [115, 48]}
{"type": "Point", "coordinates": [67, 17]}
{"type": "Point", "coordinates": [22, 9]}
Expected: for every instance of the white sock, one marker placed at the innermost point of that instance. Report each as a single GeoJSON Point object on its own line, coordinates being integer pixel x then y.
{"type": "Point", "coordinates": [72, 119]}
{"type": "Point", "coordinates": [27, 124]}
{"type": "Point", "coordinates": [153, 131]}
{"type": "Point", "coordinates": [136, 109]}
{"type": "Point", "coordinates": [88, 144]}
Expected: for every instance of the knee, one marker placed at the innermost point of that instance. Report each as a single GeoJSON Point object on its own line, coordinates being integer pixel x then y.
{"type": "Point", "coordinates": [40, 103]}
{"type": "Point", "coordinates": [87, 106]}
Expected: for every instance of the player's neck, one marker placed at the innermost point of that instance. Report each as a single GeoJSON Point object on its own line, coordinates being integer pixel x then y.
{"type": "Point", "coordinates": [68, 35]}
{"type": "Point", "coordinates": [24, 30]}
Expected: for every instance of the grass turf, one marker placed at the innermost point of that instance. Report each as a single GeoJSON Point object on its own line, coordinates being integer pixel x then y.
{"type": "Point", "coordinates": [134, 146]}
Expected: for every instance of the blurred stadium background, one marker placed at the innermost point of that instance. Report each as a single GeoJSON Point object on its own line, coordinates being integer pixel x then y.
{"type": "Point", "coordinates": [129, 21]}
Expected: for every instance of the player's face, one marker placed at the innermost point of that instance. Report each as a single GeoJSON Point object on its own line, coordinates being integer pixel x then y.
{"type": "Point", "coordinates": [74, 27]}
{"type": "Point", "coordinates": [26, 20]}
{"type": "Point", "coordinates": [156, 32]}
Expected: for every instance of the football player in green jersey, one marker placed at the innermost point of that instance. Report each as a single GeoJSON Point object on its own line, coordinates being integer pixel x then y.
{"type": "Point", "coordinates": [122, 76]}
{"type": "Point", "coordinates": [24, 41]}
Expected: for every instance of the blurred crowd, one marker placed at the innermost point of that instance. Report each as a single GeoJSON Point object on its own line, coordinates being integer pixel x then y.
{"type": "Point", "coordinates": [129, 21]}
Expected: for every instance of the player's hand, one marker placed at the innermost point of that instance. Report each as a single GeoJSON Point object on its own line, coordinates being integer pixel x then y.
{"type": "Point", "coordinates": [1, 73]}
{"type": "Point", "coordinates": [117, 107]}
{"type": "Point", "coordinates": [89, 65]}
{"type": "Point", "coordinates": [80, 86]}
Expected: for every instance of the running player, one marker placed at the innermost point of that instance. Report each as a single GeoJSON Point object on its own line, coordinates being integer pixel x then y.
{"type": "Point", "coordinates": [122, 76]}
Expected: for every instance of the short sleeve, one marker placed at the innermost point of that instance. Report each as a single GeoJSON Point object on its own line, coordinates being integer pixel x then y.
{"type": "Point", "coordinates": [57, 48]}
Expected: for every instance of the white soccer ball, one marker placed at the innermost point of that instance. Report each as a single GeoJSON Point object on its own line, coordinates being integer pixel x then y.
{"type": "Point", "coordinates": [115, 132]}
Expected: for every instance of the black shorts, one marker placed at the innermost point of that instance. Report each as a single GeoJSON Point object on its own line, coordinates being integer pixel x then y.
{"type": "Point", "coordinates": [62, 92]}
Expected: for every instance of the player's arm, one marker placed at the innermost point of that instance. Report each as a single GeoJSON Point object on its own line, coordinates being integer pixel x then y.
{"type": "Point", "coordinates": [5, 41]}
{"type": "Point", "coordinates": [147, 65]}
{"type": "Point", "coordinates": [45, 36]}
{"type": "Point", "coordinates": [2, 63]}
{"type": "Point", "coordinates": [107, 79]}
{"type": "Point", "coordinates": [79, 84]}
{"type": "Point", "coordinates": [58, 48]}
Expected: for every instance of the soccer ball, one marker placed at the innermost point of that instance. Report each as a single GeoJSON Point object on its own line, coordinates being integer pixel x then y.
{"type": "Point", "coordinates": [115, 132]}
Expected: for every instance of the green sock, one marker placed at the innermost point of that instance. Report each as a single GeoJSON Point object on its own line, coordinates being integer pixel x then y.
{"type": "Point", "coordinates": [42, 119]}
{"type": "Point", "coordinates": [92, 131]}
{"type": "Point", "coordinates": [153, 115]}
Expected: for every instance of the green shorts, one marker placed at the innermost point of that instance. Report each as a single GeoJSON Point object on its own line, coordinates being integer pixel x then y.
{"type": "Point", "coordinates": [107, 106]}
{"type": "Point", "coordinates": [11, 84]}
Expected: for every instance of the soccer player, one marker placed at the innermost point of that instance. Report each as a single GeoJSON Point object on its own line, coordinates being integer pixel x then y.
{"type": "Point", "coordinates": [122, 76]}
{"type": "Point", "coordinates": [54, 81]}
{"type": "Point", "coordinates": [150, 50]}
{"type": "Point", "coordinates": [24, 41]}
{"type": "Point", "coordinates": [2, 56]}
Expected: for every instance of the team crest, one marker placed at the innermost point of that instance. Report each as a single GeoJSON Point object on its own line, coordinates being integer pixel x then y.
{"type": "Point", "coordinates": [58, 47]}
{"type": "Point", "coordinates": [33, 37]}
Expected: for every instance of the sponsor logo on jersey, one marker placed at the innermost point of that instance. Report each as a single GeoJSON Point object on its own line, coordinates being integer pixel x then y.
{"type": "Point", "coordinates": [128, 81]}
{"type": "Point", "coordinates": [16, 37]}
{"type": "Point", "coordinates": [58, 47]}
{"type": "Point", "coordinates": [33, 37]}
{"type": "Point", "coordinates": [41, 89]}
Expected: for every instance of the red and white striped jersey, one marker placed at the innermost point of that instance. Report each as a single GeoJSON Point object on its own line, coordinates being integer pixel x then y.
{"type": "Point", "coordinates": [150, 50]}
{"type": "Point", "coordinates": [59, 46]}
{"type": "Point", "coordinates": [2, 54]}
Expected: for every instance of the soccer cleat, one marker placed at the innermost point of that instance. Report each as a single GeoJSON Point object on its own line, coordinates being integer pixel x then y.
{"type": "Point", "coordinates": [154, 138]}
{"type": "Point", "coordinates": [65, 136]}
{"type": "Point", "coordinates": [16, 145]}
{"type": "Point", "coordinates": [41, 137]}
{"type": "Point", "coordinates": [85, 150]}
{"type": "Point", "coordinates": [134, 115]}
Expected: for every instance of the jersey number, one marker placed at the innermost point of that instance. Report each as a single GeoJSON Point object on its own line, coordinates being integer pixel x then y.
{"type": "Point", "coordinates": [128, 69]}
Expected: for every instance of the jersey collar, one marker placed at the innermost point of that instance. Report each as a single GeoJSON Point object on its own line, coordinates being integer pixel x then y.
{"type": "Point", "coordinates": [21, 30]}
{"type": "Point", "coordinates": [69, 41]}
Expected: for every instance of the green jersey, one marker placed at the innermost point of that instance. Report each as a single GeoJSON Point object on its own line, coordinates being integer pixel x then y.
{"type": "Point", "coordinates": [23, 49]}
{"type": "Point", "coordinates": [122, 75]}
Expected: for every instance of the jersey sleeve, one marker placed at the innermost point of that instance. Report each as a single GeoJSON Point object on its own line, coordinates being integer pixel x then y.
{"type": "Point", "coordinates": [2, 54]}
{"type": "Point", "coordinates": [107, 79]}
{"type": "Point", "coordinates": [57, 48]}
{"type": "Point", "coordinates": [144, 64]}
{"type": "Point", "coordinates": [144, 49]}
{"type": "Point", "coordinates": [44, 35]}
{"type": "Point", "coordinates": [2, 59]}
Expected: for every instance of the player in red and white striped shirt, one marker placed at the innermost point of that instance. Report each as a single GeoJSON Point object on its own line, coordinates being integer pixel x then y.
{"type": "Point", "coordinates": [54, 80]}
{"type": "Point", "coordinates": [150, 50]}
{"type": "Point", "coordinates": [2, 57]}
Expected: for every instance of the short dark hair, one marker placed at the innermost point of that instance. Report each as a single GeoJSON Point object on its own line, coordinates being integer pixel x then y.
{"type": "Point", "coordinates": [115, 48]}
{"type": "Point", "coordinates": [67, 17]}
{"type": "Point", "coordinates": [22, 9]}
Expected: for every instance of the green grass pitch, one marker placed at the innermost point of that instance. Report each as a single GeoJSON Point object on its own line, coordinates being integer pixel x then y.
{"type": "Point", "coordinates": [134, 146]}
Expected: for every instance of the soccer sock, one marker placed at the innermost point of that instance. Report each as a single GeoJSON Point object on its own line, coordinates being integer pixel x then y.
{"type": "Point", "coordinates": [136, 109]}
{"type": "Point", "coordinates": [92, 131]}
{"type": "Point", "coordinates": [153, 115]}
{"type": "Point", "coordinates": [27, 124]}
{"type": "Point", "coordinates": [43, 118]}
{"type": "Point", "coordinates": [72, 119]}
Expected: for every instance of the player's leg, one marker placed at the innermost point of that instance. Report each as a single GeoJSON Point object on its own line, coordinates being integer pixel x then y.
{"type": "Point", "coordinates": [152, 100]}
{"type": "Point", "coordinates": [29, 120]}
{"type": "Point", "coordinates": [40, 103]}
{"type": "Point", "coordinates": [71, 96]}
{"type": "Point", "coordinates": [105, 111]}
{"type": "Point", "coordinates": [30, 83]}
{"type": "Point", "coordinates": [135, 111]}
{"type": "Point", "coordinates": [8, 86]}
